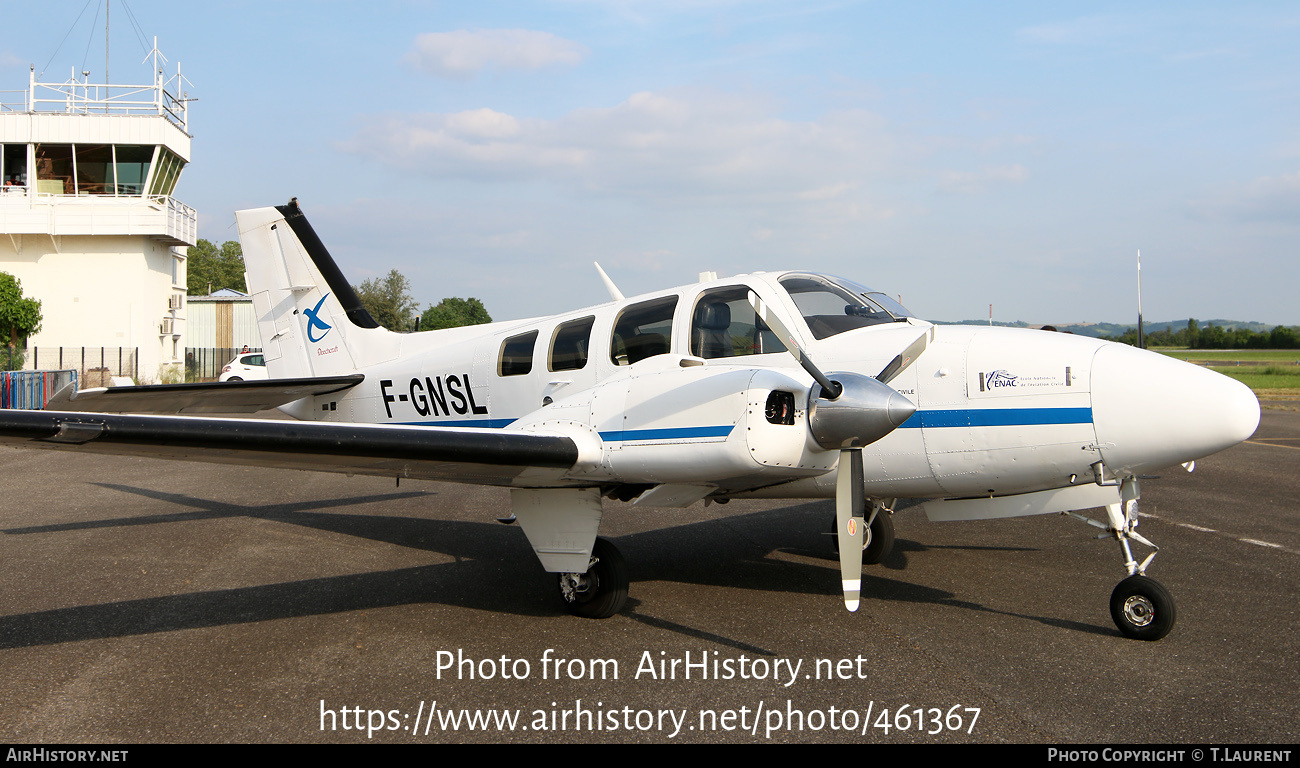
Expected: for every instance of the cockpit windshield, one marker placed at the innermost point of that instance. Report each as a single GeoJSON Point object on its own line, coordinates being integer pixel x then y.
{"type": "Point", "coordinates": [832, 305]}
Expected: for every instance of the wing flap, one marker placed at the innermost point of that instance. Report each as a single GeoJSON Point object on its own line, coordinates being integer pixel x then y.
{"type": "Point", "coordinates": [224, 397]}
{"type": "Point", "coordinates": [488, 456]}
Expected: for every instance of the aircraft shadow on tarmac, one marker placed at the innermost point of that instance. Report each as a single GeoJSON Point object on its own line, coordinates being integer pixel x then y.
{"type": "Point", "coordinates": [493, 570]}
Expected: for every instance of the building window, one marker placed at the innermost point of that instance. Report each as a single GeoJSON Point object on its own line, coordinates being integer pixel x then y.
{"type": "Point", "coordinates": [132, 164]}
{"type": "Point", "coordinates": [166, 174]}
{"type": "Point", "coordinates": [94, 168]}
{"type": "Point", "coordinates": [13, 165]}
{"type": "Point", "coordinates": [54, 174]}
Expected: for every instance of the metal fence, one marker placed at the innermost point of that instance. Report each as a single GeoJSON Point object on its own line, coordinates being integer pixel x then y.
{"type": "Point", "coordinates": [95, 366]}
{"type": "Point", "coordinates": [32, 389]}
{"type": "Point", "coordinates": [205, 363]}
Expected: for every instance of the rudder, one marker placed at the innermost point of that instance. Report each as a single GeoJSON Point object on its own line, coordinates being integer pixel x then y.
{"type": "Point", "coordinates": [311, 321]}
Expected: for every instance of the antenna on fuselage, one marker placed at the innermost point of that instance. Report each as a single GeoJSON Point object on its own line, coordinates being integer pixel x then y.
{"type": "Point", "coordinates": [614, 292]}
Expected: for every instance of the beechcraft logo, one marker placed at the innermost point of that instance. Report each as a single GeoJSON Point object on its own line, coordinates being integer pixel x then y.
{"type": "Point", "coordinates": [314, 321]}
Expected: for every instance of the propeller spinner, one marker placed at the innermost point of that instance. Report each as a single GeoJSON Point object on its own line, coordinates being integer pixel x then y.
{"type": "Point", "coordinates": [845, 412]}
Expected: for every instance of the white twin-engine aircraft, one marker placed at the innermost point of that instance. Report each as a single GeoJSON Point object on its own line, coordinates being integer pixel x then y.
{"type": "Point", "coordinates": [769, 385]}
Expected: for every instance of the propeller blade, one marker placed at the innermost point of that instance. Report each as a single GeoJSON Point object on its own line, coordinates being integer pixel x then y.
{"type": "Point", "coordinates": [850, 528]}
{"type": "Point", "coordinates": [899, 363]}
{"type": "Point", "coordinates": [830, 389]}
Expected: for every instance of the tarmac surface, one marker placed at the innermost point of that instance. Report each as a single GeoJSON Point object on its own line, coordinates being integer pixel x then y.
{"type": "Point", "coordinates": [153, 601]}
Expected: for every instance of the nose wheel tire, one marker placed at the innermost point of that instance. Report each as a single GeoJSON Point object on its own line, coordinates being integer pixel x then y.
{"type": "Point", "coordinates": [602, 590]}
{"type": "Point", "coordinates": [1142, 608]}
{"type": "Point", "coordinates": [878, 543]}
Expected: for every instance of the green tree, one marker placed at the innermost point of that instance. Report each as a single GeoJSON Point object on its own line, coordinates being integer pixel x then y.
{"type": "Point", "coordinates": [209, 268]}
{"type": "Point", "coordinates": [454, 313]}
{"type": "Point", "coordinates": [388, 300]}
{"type": "Point", "coordinates": [1282, 337]}
{"type": "Point", "coordinates": [20, 317]}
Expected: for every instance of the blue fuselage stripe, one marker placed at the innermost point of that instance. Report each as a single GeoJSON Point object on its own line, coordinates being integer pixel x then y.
{"type": "Point", "coordinates": [625, 435]}
{"type": "Point", "coordinates": [934, 419]}
{"type": "Point", "coordinates": [676, 433]}
{"type": "Point", "coordinates": [997, 417]}
{"type": "Point", "coordinates": [475, 423]}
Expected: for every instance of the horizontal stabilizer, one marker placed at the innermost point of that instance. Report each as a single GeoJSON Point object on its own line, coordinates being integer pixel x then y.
{"type": "Point", "coordinates": [223, 397]}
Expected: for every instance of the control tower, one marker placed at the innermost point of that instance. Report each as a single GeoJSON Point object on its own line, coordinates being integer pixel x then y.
{"type": "Point", "coordinates": [87, 218]}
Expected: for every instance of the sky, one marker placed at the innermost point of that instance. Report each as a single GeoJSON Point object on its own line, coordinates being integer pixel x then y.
{"type": "Point", "coordinates": [953, 154]}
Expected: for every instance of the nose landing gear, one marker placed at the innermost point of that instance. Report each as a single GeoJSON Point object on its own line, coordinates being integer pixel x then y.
{"type": "Point", "coordinates": [1140, 606]}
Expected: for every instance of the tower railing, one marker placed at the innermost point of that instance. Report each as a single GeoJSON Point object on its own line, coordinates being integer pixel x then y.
{"type": "Point", "coordinates": [82, 97]}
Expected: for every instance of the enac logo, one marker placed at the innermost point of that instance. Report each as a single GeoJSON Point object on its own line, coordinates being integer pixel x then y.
{"type": "Point", "coordinates": [314, 321]}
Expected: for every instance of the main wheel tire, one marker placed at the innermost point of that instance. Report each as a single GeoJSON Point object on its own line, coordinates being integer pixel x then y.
{"type": "Point", "coordinates": [880, 539]}
{"type": "Point", "coordinates": [234, 378]}
{"type": "Point", "coordinates": [881, 542]}
{"type": "Point", "coordinates": [602, 590]}
{"type": "Point", "coordinates": [1142, 608]}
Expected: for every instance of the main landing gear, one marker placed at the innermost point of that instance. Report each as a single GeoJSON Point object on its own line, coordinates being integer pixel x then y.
{"type": "Point", "coordinates": [600, 592]}
{"type": "Point", "coordinates": [879, 541]}
{"type": "Point", "coordinates": [1140, 606]}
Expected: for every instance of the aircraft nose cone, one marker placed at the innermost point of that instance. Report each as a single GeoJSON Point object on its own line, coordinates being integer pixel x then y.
{"type": "Point", "coordinates": [1153, 411]}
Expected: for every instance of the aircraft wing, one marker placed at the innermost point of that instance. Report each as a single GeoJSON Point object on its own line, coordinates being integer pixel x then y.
{"type": "Point", "coordinates": [224, 397]}
{"type": "Point", "coordinates": [482, 456]}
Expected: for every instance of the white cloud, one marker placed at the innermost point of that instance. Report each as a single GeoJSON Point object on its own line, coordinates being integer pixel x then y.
{"type": "Point", "coordinates": [969, 183]}
{"type": "Point", "coordinates": [1089, 30]}
{"type": "Point", "coordinates": [1267, 199]}
{"type": "Point", "coordinates": [464, 53]}
{"type": "Point", "coordinates": [670, 146]}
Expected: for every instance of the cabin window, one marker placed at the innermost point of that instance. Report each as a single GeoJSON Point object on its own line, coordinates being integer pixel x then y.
{"type": "Point", "coordinates": [517, 354]}
{"type": "Point", "coordinates": [724, 325]}
{"type": "Point", "coordinates": [829, 308]}
{"type": "Point", "coordinates": [570, 346]}
{"type": "Point", "coordinates": [643, 330]}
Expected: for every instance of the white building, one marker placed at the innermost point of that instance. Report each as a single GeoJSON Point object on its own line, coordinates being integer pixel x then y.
{"type": "Point", "coordinates": [217, 326]}
{"type": "Point", "coordinates": [87, 218]}
{"type": "Point", "coordinates": [222, 320]}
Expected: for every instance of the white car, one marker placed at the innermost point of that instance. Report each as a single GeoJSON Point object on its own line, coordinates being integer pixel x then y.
{"type": "Point", "coordinates": [245, 366]}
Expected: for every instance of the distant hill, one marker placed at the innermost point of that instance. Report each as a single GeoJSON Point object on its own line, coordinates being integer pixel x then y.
{"type": "Point", "coordinates": [1118, 329]}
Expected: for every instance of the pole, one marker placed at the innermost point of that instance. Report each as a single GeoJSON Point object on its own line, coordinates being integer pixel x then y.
{"type": "Point", "coordinates": [1141, 339]}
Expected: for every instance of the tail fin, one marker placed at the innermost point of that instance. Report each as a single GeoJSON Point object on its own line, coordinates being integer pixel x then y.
{"type": "Point", "coordinates": [310, 319]}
